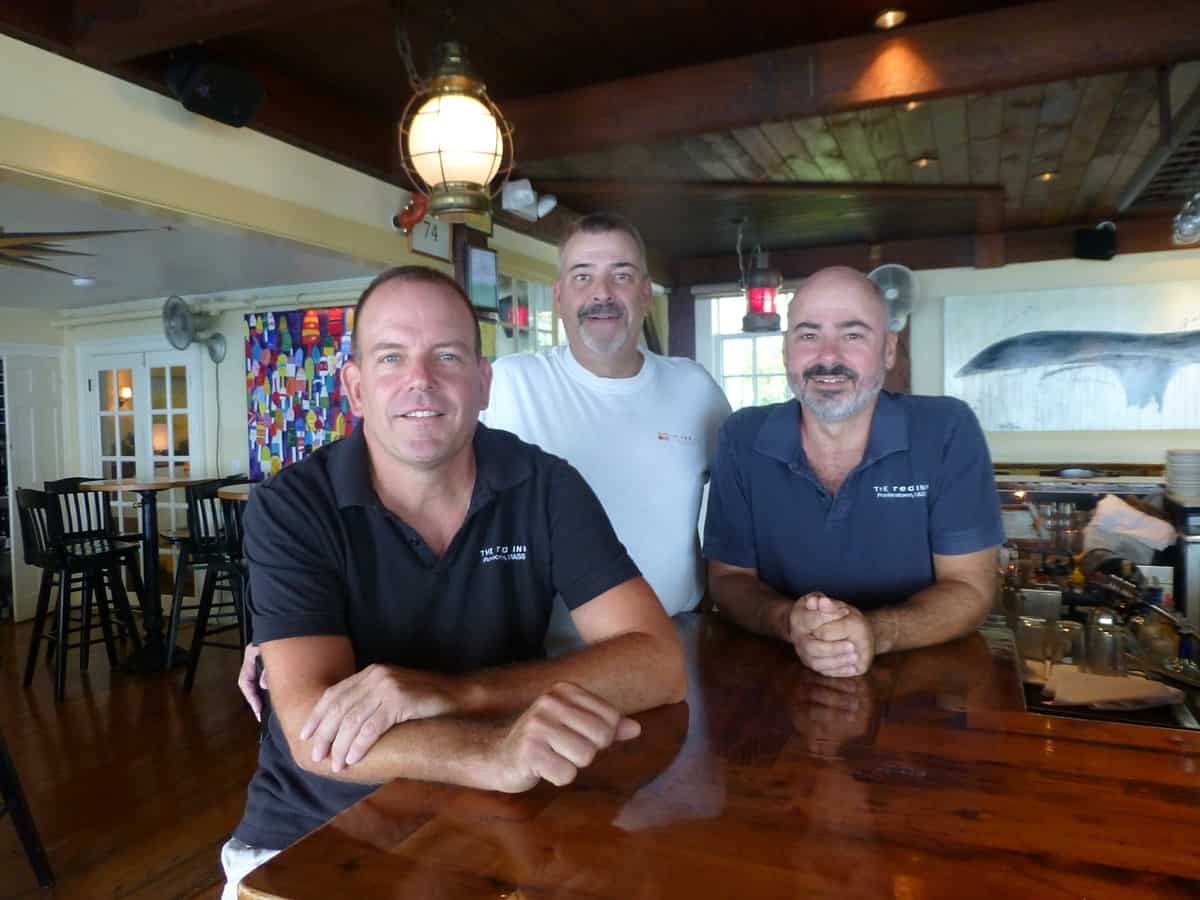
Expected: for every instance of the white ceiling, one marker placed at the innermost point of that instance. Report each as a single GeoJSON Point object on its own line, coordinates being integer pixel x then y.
{"type": "Point", "coordinates": [179, 255]}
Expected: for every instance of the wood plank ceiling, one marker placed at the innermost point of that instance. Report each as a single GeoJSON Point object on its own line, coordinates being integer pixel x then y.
{"type": "Point", "coordinates": [688, 114]}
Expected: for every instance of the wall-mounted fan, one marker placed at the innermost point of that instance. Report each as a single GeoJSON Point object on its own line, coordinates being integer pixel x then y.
{"type": "Point", "coordinates": [898, 284]}
{"type": "Point", "coordinates": [182, 327]}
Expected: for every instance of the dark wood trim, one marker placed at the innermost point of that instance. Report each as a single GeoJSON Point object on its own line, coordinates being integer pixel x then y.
{"type": "Point", "coordinates": [990, 197]}
{"type": "Point", "coordinates": [681, 318]}
{"type": "Point", "coordinates": [1135, 234]}
{"type": "Point", "coordinates": [983, 52]}
{"type": "Point", "coordinates": [108, 32]}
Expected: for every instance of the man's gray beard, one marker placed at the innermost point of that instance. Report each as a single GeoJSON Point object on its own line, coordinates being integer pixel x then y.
{"type": "Point", "coordinates": [833, 410]}
{"type": "Point", "coordinates": [602, 348]}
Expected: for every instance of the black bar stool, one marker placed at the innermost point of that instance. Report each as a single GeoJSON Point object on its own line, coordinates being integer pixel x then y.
{"type": "Point", "coordinates": [12, 802]}
{"type": "Point", "coordinates": [89, 563]}
{"type": "Point", "coordinates": [214, 541]}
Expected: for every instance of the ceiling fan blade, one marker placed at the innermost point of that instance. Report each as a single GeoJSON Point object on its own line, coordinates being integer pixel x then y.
{"type": "Point", "coordinates": [16, 238]}
{"type": "Point", "coordinates": [24, 263]}
{"type": "Point", "coordinates": [37, 250]}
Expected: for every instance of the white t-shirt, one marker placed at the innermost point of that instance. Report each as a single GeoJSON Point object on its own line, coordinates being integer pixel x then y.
{"type": "Point", "coordinates": [643, 444]}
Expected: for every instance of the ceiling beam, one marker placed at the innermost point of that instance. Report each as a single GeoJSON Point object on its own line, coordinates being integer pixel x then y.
{"type": "Point", "coordinates": [1025, 44]}
{"type": "Point", "coordinates": [794, 189]}
{"type": "Point", "coordinates": [1135, 234]}
{"type": "Point", "coordinates": [107, 32]}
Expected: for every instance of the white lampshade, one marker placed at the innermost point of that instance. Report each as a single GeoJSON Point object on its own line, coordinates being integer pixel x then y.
{"type": "Point", "coordinates": [454, 138]}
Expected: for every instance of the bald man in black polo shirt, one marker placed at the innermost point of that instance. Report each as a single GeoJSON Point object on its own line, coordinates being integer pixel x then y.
{"type": "Point", "coordinates": [402, 584]}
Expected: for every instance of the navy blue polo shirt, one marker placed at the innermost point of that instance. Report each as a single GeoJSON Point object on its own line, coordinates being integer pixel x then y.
{"type": "Point", "coordinates": [327, 558]}
{"type": "Point", "coordinates": [925, 485]}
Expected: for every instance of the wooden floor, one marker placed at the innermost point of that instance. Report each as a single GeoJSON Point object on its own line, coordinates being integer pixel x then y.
{"type": "Point", "coordinates": [134, 785]}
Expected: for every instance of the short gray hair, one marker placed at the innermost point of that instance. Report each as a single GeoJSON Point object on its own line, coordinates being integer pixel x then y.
{"type": "Point", "coordinates": [605, 223]}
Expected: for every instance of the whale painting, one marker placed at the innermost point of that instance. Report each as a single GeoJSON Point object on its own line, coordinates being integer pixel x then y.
{"type": "Point", "coordinates": [1018, 376]}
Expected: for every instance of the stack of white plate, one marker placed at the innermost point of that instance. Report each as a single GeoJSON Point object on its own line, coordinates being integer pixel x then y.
{"type": "Point", "coordinates": [1183, 473]}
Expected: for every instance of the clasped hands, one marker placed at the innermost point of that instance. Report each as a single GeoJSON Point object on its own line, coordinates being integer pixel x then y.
{"type": "Point", "coordinates": [558, 734]}
{"type": "Point", "coordinates": [831, 637]}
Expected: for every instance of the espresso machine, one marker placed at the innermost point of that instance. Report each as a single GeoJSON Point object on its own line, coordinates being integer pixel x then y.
{"type": "Point", "coordinates": [1185, 515]}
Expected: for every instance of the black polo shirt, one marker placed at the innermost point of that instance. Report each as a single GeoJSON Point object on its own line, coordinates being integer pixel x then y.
{"type": "Point", "coordinates": [326, 558]}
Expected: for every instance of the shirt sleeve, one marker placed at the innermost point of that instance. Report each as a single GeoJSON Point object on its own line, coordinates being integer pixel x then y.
{"type": "Point", "coordinates": [965, 515]}
{"type": "Point", "coordinates": [295, 586]}
{"type": "Point", "coordinates": [587, 559]}
{"type": "Point", "coordinates": [728, 528]}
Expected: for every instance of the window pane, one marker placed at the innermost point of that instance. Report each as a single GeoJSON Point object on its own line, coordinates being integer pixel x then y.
{"type": "Point", "coordinates": [160, 467]}
{"type": "Point", "coordinates": [740, 391]}
{"type": "Point", "coordinates": [108, 435]}
{"type": "Point", "coordinates": [770, 354]}
{"type": "Point", "coordinates": [773, 389]}
{"type": "Point", "coordinates": [125, 389]}
{"type": "Point", "coordinates": [179, 433]}
{"type": "Point", "coordinates": [108, 391]}
{"type": "Point", "coordinates": [125, 433]}
{"type": "Point", "coordinates": [729, 314]}
{"type": "Point", "coordinates": [179, 399]}
{"type": "Point", "coordinates": [128, 470]}
{"type": "Point", "coordinates": [158, 388]}
{"type": "Point", "coordinates": [160, 437]}
{"type": "Point", "coordinates": [737, 356]}
{"type": "Point", "coordinates": [108, 470]}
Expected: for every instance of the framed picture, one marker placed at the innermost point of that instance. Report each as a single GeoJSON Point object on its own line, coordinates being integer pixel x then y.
{"type": "Point", "coordinates": [482, 276]}
{"type": "Point", "coordinates": [431, 237]}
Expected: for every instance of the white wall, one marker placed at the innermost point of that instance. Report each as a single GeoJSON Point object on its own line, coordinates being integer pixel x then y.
{"type": "Point", "coordinates": [928, 343]}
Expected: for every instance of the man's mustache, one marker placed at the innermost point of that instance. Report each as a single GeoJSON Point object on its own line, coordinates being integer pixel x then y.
{"type": "Point", "coordinates": [608, 308]}
{"type": "Point", "coordinates": [820, 371]}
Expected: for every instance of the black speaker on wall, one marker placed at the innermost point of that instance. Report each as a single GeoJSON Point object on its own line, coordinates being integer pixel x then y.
{"type": "Point", "coordinates": [1096, 243]}
{"type": "Point", "coordinates": [213, 89]}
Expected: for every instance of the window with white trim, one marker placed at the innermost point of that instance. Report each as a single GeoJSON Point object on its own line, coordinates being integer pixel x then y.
{"type": "Point", "coordinates": [749, 367]}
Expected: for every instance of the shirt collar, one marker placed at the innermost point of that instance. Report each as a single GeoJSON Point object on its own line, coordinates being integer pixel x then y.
{"type": "Point", "coordinates": [498, 466]}
{"type": "Point", "coordinates": [779, 436]}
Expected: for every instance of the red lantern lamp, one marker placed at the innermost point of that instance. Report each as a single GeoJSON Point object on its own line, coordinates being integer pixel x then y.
{"type": "Point", "coordinates": [762, 286]}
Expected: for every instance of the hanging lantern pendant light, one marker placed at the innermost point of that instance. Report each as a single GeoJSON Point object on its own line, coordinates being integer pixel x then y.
{"type": "Point", "coordinates": [454, 141]}
{"type": "Point", "coordinates": [762, 286]}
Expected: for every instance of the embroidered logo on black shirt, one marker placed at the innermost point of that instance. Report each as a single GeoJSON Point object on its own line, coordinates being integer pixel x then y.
{"type": "Point", "coordinates": [504, 553]}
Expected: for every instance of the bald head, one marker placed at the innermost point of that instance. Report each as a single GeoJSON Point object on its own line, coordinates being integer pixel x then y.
{"type": "Point", "coordinates": [838, 347]}
{"type": "Point", "coordinates": [840, 282]}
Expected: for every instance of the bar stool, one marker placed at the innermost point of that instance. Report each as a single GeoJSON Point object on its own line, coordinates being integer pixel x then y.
{"type": "Point", "coordinates": [87, 563]}
{"type": "Point", "coordinates": [214, 541]}
{"type": "Point", "coordinates": [12, 802]}
{"type": "Point", "coordinates": [89, 514]}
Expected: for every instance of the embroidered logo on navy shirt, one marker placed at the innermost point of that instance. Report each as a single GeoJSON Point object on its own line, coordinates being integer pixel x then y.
{"type": "Point", "coordinates": [504, 553]}
{"type": "Point", "coordinates": [900, 491]}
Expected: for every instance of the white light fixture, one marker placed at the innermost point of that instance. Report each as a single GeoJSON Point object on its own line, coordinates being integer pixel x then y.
{"type": "Point", "coordinates": [1186, 229]}
{"type": "Point", "coordinates": [890, 18]}
{"type": "Point", "coordinates": [83, 281]}
{"type": "Point", "coordinates": [453, 139]}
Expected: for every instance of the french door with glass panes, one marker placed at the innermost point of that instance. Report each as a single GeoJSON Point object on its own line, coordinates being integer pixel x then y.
{"type": "Point", "coordinates": [143, 412]}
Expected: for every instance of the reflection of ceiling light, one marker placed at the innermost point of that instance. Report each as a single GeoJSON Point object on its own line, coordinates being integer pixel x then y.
{"type": "Point", "coordinates": [1048, 175]}
{"type": "Point", "coordinates": [1187, 224]}
{"type": "Point", "coordinates": [83, 281]}
{"type": "Point", "coordinates": [911, 105]}
{"type": "Point", "coordinates": [126, 393]}
{"type": "Point", "coordinates": [923, 162]}
{"type": "Point", "coordinates": [890, 18]}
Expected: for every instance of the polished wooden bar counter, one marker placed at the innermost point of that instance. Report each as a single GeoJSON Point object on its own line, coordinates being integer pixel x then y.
{"type": "Point", "coordinates": [926, 779]}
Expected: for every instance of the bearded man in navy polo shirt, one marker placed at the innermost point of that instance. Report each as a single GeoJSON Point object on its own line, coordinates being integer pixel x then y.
{"type": "Point", "coordinates": [851, 521]}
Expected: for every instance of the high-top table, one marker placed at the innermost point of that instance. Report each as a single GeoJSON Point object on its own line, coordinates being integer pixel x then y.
{"type": "Point", "coordinates": [238, 493]}
{"type": "Point", "coordinates": [153, 654]}
{"type": "Point", "coordinates": [926, 779]}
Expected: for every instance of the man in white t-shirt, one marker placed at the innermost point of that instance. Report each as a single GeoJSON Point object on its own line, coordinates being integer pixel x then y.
{"type": "Point", "coordinates": [641, 428]}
